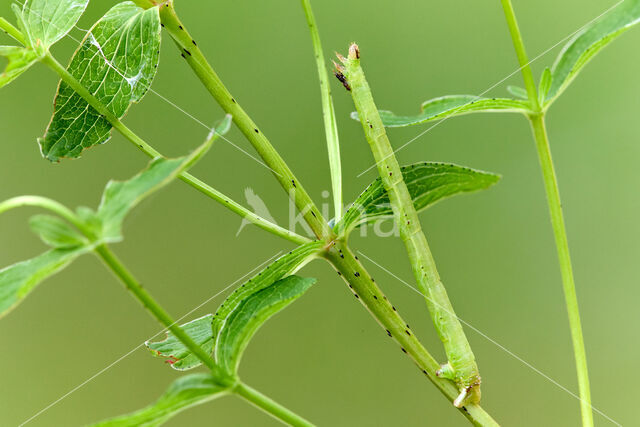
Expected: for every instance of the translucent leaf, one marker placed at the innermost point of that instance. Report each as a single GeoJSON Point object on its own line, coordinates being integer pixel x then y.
{"type": "Point", "coordinates": [18, 280]}
{"type": "Point", "coordinates": [188, 391]}
{"type": "Point", "coordinates": [588, 42]}
{"type": "Point", "coordinates": [518, 92]}
{"type": "Point", "coordinates": [545, 84]}
{"type": "Point", "coordinates": [44, 22]}
{"type": "Point", "coordinates": [56, 232]}
{"type": "Point", "coordinates": [452, 105]}
{"type": "Point", "coordinates": [251, 313]}
{"type": "Point", "coordinates": [20, 60]}
{"type": "Point", "coordinates": [179, 356]}
{"type": "Point", "coordinates": [284, 266]}
{"type": "Point", "coordinates": [427, 182]}
{"type": "Point", "coordinates": [116, 62]}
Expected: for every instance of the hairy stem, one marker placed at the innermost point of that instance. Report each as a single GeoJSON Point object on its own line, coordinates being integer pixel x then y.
{"type": "Point", "coordinates": [12, 31]}
{"type": "Point", "coordinates": [461, 366]}
{"type": "Point", "coordinates": [557, 217]}
{"type": "Point", "coordinates": [521, 53]}
{"type": "Point", "coordinates": [368, 293]}
{"type": "Point", "coordinates": [270, 406]}
{"type": "Point", "coordinates": [196, 60]}
{"type": "Point", "coordinates": [143, 146]}
{"type": "Point", "coordinates": [328, 113]}
{"type": "Point", "coordinates": [121, 272]}
{"type": "Point", "coordinates": [562, 245]}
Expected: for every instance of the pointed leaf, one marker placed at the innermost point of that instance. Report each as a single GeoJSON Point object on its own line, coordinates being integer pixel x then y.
{"type": "Point", "coordinates": [251, 313]}
{"type": "Point", "coordinates": [588, 42]}
{"type": "Point", "coordinates": [452, 105]}
{"type": "Point", "coordinates": [518, 92]}
{"type": "Point", "coordinates": [44, 22]}
{"type": "Point", "coordinates": [56, 232]}
{"type": "Point", "coordinates": [186, 392]}
{"type": "Point", "coordinates": [120, 197]}
{"type": "Point", "coordinates": [116, 62]}
{"type": "Point", "coordinates": [427, 182]}
{"type": "Point", "coordinates": [179, 356]}
{"type": "Point", "coordinates": [18, 280]}
{"type": "Point", "coordinates": [20, 60]}
{"type": "Point", "coordinates": [545, 84]}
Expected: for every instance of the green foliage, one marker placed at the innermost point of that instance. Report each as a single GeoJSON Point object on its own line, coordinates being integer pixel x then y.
{"type": "Point", "coordinates": [427, 183]}
{"type": "Point", "coordinates": [56, 232]}
{"type": "Point", "coordinates": [185, 392]}
{"type": "Point", "coordinates": [178, 355]}
{"type": "Point", "coordinates": [450, 106]}
{"type": "Point", "coordinates": [18, 280]}
{"type": "Point", "coordinates": [242, 323]}
{"type": "Point", "coordinates": [116, 63]}
{"type": "Point", "coordinates": [105, 225]}
{"type": "Point", "coordinates": [44, 22]}
{"type": "Point", "coordinates": [20, 60]}
{"type": "Point", "coordinates": [588, 42]}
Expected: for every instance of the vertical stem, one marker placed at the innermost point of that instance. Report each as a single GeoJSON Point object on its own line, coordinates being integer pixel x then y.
{"type": "Point", "coordinates": [269, 406]}
{"type": "Point", "coordinates": [372, 297]}
{"type": "Point", "coordinates": [523, 60]}
{"type": "Point", "coordinates": [562, 245]}
{"type": "Point", "coordinates": [328, 113]}
{"type": "Point", "coordinates": [121, 272]}
{"type": "Point", "coordinates": [557, 217]}
{"type": "Point", "coordinates": [203, 70]}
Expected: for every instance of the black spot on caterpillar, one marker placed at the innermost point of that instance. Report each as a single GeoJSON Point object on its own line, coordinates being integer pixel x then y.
{"type": "Point", "coordinates": [357, 274]}
{"type": "Point", "coordinates": [403, 350]}
{"type": "Point", "coordinates": [339, 274]}
{"type": "Point", "coordinates": [342, 79]}
{"type": "Point", "coordinates": [187, 52]}
{"type": "Point", "coordinates": [388, 332]}
{"type": "Point", "coordinates": [357, 296]}
{"type": "Point", "coordinates": [194, 42]}
{"type": "Point", "coordinates": [182, 54]}
{"type": "Point", "coordinates": [180, 26]}
{"type": "Point", "coordinates": [256, 131]}
{"type": "Point", "coordinates": [293, 183]}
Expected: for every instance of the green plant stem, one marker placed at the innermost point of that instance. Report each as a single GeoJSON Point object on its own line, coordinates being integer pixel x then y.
{"type": "Point", "coordinates": [557, 218]}
{"type": "Point", "coordinates": [130, 282]}
{"type": "Point", "coordinates": [270, 406]}
{"type": "Point", "coordinates": [45, 203]}
{"type": "Point", "coordinates": [562, 245]}
{"type": "Point", "coordinates": [194, 182]}
{"type": "Point", "coordinates": [203, 70]}
{"type": "Point", "coordinates": [368, 293]}
{"type": "Point", "coordinates": [328, 113]}
{"type": "Point", "coordinates": [521, 53]}
{"type": "Point", "coordinates": [12, 31]}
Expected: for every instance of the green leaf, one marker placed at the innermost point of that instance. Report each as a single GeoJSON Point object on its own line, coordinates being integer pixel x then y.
{"type": "Point", "coordinates": [452, 105]}
{"type": "Point", "coordinates": [44, 22]}
{"type": "Point", "coordinates": [427, 183]}
{"type": "Point", "coordinates": [242, 323]}
{"type": "Point", "coordinates": [56, 232]}
{"type": "Point", "coordinates": [284, 266]}
{"type": "Point", "coordinates": [186, 392]}
{"type": "Point", "coordinates": [179, 356]}
{"type": "Point", "coordinates": [116, 62]}
{"type": "Point", "coordinates": [545, 84]}
{"type": "Point", "coordinates": [588, 42]}
{"type": "Point", "coordinates": [20, 60]}
{"type": "Point", "coordinates": [518, 92]}
{"type": "Point", "coordinates": [120, 197]}
{"type": "Point", "coordinates": [18, 280]}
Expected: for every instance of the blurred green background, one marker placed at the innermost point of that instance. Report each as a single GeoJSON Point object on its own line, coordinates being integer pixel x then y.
{"type": "Point", "coordinates": [325, 357]}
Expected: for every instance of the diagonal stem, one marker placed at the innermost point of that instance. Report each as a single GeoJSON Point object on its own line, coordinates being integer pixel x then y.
{"type": "Point", "coordinates": [269, 406]}
{"type": "Point", "coordinates": [194, 182]}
